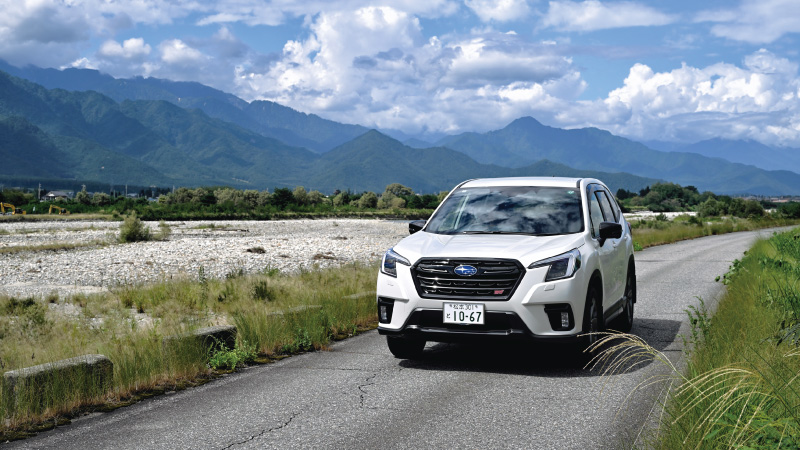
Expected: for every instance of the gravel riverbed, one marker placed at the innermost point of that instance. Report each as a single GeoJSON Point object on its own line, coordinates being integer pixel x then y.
{"type": "Point", "coordinates": [219, 247]}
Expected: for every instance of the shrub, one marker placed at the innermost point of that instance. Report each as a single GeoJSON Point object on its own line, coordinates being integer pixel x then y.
{"type": "Point", "coordinates": [133, 230]}
{"type": "Point", "coordinates": [164, 231]}
{"type": "Point", "coordinates": [368, 200]}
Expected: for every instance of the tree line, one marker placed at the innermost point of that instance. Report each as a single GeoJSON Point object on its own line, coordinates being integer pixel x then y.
{"type": "Point", "coordinates": [225, 202]}
{"type": "Point", "coordinates": [671, 197]}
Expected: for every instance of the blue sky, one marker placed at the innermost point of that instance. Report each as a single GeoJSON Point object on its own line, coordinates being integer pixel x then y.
{"type": "Point", "coordinates": [678, 71]}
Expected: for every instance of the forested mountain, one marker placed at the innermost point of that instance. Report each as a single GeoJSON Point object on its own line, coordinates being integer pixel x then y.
{"type": "Point", "coordinates": [741, 151]}
{"type": "Point", "coordinates": [526, 140]}
{"type": "Point", "coordinates": [264, 117]}
{"type": "Point", "coordinates": [369, 160]}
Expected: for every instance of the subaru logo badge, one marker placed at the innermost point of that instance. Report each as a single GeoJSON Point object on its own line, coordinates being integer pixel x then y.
{"type": "Point", "coordinates": [465, 271]}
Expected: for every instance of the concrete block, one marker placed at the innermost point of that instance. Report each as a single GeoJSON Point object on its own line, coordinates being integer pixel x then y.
{"type": "Point", "coordinates": [207, 337]}
{"type": "Point", "coordinates": [56, 383]}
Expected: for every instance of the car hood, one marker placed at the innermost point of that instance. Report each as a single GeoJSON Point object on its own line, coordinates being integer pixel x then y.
{"type": "Point", "coordinates": [525, 249]}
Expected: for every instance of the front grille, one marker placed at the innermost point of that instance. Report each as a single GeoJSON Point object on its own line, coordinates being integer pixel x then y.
{"type": "Point", "coordinates": [493, 280]}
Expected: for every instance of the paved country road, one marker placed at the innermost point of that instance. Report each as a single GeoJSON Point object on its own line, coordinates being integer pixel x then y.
{"type": "Point", "coordinates": [358, 396]}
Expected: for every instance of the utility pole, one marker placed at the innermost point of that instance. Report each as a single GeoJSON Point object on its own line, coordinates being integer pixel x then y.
{"type": "Point", "coordinates": [39, 192]}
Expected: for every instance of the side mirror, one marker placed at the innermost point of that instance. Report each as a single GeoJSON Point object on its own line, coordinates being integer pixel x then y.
{"type": "Point", "coordinates": [415, 226]}
{"type": "Point", "coordinates": [609, 230]}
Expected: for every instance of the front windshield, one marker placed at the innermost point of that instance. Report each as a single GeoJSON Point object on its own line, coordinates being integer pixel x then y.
{"type": "Point", "coordinates": [509, 209]}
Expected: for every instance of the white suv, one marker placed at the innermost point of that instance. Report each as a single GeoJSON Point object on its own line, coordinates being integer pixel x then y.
{"type": "Point", "coordinates": [547, 259]}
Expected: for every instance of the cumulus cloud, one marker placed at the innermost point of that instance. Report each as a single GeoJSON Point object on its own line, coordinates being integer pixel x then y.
{"type": "Point", "coordinates": [175, 51]}
{"type": "Point", "coordinates": [591, 15]}
{"type": "Point", "coordinates": [755, 21]}
{"type": "Point", "coordinates": [131, 49]}
{"type": "Point", "coordinates": [756, 101]}
{"type": "Point", "coordinates": [375, 66]}
{"type": "Point", "coordinates": [499, 10]}
{"type": "Point", "coordinates": [53, 33]}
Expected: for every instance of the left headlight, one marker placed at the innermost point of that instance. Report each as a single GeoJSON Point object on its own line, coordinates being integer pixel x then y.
{"type": "Point", "coordinates": [390, 261]}
{"type": "Point", "coordinates": [562, 266]}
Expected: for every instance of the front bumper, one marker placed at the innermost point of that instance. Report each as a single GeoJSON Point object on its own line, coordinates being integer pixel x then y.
{"type": "Point", "coordinates": [427, 324]}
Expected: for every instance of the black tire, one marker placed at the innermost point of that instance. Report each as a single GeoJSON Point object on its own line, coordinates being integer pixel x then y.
{"type": "Point", "coordinates": [405, 348]}
{"type": "Point", "coordinates": [624, 321]}
{"type": "Point", "coordinates": [592, 321]}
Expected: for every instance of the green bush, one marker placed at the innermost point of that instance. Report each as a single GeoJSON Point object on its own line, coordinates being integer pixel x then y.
{"type": "Point", "coordinates": [223, 359]}
{"type": "Point", "coordinates": [133, 230]}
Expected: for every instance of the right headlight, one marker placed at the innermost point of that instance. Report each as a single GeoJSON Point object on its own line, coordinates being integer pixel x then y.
{"type": "Point", "coordinates": [390, 261]}
{"type": "Point", "coordinates": [562, 266]}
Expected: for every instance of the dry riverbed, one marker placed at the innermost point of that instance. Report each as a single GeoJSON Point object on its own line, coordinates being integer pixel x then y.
{"type": "Point", "coordinates": [218, 247]}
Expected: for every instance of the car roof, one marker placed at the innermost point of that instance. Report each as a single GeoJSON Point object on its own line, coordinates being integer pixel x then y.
{"type": "Point", "coordinates": [525, 181]}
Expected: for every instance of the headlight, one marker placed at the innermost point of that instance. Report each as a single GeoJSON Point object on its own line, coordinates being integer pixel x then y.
{"type": "Point", "coordinates": [561, 266]}
{"type": "Point", "coordinates": [389, 263]}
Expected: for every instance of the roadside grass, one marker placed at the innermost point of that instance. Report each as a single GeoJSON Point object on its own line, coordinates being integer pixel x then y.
{"type": "Point", "coordinates": [741, 388]}
{"type": "Point", "coordinates": [276, 315]}
{"type": "Point", "coordinates": [651, 232]}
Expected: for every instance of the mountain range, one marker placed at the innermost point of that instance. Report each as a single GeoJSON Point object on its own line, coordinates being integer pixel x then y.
{"type": "Point", "coordinates": [79, 124]}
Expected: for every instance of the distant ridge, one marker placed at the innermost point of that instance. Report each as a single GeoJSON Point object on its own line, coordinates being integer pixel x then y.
{"type": "Point", "coordinates": [526, 140]}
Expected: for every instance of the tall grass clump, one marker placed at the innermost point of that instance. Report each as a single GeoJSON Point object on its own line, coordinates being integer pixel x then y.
{"type": "Point", "coordinates": [134, 230]}
{"type": "Point", "coordinates": [741, 388]}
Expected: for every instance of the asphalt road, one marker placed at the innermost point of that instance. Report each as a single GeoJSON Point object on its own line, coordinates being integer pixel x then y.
{"type": "Point", "coordinates": [358, 396]}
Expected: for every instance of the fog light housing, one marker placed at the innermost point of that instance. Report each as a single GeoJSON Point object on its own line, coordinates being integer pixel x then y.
{"type": "Point", "coordinates": [560, 316]}
{"type": "Point", "coordinates": [385, 308]}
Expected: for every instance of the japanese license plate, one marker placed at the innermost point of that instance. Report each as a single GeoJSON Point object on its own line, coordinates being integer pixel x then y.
{"type": "Point", "coordinates": [464, 313]}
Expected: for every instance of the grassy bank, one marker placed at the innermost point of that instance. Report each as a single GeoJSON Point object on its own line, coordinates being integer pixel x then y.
{"type": "Point", "coordinates": [742, 386]}
{"type": "Point", "coordinates": [659, 231]}
{"type": "Point", "coordinates": [275, 314]}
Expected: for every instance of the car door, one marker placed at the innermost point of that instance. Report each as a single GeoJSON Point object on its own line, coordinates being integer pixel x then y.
{"type": "Point", "coordinates": [606, 252]}
{"type": "Point", "coordinates": [618, 259]}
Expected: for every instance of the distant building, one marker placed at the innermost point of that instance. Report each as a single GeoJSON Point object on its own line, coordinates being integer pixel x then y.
{"type": "Point", "coordinates": [57, 195]}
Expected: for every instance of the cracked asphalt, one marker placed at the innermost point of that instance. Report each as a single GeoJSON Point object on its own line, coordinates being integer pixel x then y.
{"type": "Point", "coordinates": [356, 395]}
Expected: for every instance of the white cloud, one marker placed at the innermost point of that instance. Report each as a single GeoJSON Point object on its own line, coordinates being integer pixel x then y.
{"type": "Point", "coordinates": [134, 48]}
{"type": "Point", "coordinates": [499, 10]}
{"type": "Point", "coordinates": [755, 21]}
{"type": "Point", "coordinates": [757, 101]}
{"type": "Point", "coordinates": [176, 52]}
{"type": "Point", "coordinates": [591, 15]}
{"type": "Point", "coordinates": [374, 66]}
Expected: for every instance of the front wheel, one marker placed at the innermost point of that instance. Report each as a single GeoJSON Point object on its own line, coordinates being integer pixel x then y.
{"type": "Point", "coordinates": [592, 320]}
{"type": "Point", "coordinates": [405, 348]}
{"type": "Point", "coordinates": [625, 320]}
